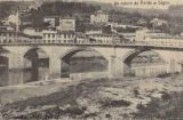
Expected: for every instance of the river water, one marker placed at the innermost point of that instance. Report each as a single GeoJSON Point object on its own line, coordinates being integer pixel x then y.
{"type": "Point", "coordinates": [14, 77]}
{"type": "Point", "coordinates": [40, 71]}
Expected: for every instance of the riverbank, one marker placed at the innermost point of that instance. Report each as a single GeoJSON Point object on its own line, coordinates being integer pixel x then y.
{"type": "Point", "coordinates": [101, 99]}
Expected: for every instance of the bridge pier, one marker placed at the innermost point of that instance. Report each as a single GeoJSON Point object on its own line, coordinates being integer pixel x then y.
{"type": "Point", "coordinates": [54, 67]}
{"type": "Point", "coordinates": [174, 66]}
{"type": "Point", "coordinates": [16, 62]}
{"type": "Point", "coordinates": [115, 67]}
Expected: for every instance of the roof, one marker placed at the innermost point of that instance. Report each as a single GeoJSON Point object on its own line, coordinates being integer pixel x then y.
{"type": "Point", "coordinates": [65, 32]}
{"type": "Point", "coordinates": [168, 37]}
{"type": "Point", "coordinates": [51, 17]}
{"type": "Point", "coordinates": [81, 35]}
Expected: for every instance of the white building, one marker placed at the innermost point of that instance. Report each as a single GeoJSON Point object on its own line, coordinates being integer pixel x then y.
{"type": "Point", "coordinates": [67, 24]}
{"type": "Point", "coordinates": [58, 36]}
{"type": "Point", "coordinates": [104, 38]}
{"type": "Point", "coordinates": [31, 31]}
{"type": "Point", "coordinates": [51, 21]}
{"type": "Point", "coordinates": [156, 22]}
{"type": "Point", "coordinates": [129, 36]}
{"type": "Point", "coordinates": [13, 37]}
{"type": "Point", "coordinates": [82, 38]}
{"type": "Point", "coordinates": [159, 39]}
{"type": "Point", "coordinates": [99, 18]}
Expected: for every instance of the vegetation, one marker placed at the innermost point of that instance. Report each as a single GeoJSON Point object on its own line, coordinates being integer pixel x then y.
{"type": "Point", "coordinates": [65, 102]}
{"type": "Point", "coordinates": [115, 103]}
{"type": "Point", "coordinates": [81, 12]}
{"type": "Point", "coordinates": [168, 107]}
{"type": "Point", "coordinates": [78, 10]}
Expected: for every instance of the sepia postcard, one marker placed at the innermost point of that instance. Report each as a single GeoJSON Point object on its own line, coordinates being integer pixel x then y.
{"type": "Point", "coordinates": [91, 60]}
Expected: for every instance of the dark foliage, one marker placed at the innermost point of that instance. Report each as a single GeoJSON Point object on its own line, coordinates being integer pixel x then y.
{"type": "Point", "coordinates": [62, 9]}
{"type": "Point", "coordinates": [169, 107]}
{"type": "Point", "coordinates": [115, 103]}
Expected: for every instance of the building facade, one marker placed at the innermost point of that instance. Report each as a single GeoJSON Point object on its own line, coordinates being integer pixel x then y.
{"type": "Point", "coordinates": [104, 38]}
{"type": "Point", "coordinates": [51, 21]}
{"type": "Point", "coordinates": [58, 36]}
{"type": "Point", "coordinates": [67, 24]}
{"type": "Point", "coordinates": [99, 18]}
{"type": "Point", "coordinates": [13, 37]}
{"type": "Point", "coordinates": [158, 38]}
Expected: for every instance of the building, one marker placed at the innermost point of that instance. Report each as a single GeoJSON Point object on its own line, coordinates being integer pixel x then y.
{"type": "Point", "coordinates": [156, 22]}
{"type": "Point", "coordinates": [99, 18]}
{"type": "Point", "coordinates": [13, 37]}
{"type": "Point", "coordinates": [158, 38]}
{"type": "Point", "coordinates": [128, 36]}
{"type": "Point", "coordinates": [142, 22]}
{"type": "Point", "coordinates": [104, 38]}
{"type": "Point", "coordinates": [31, 31]}
{"type": "Point", "coordinates": [67, 24]}
{"type": "Point", "coordinates": [14, 19]}
{"type": "Point", "coordinates": [58, 36]}
{"type": "Point", "coordinates": [82, 38]}
{"type": "Point", "coordinates": [51, 21]}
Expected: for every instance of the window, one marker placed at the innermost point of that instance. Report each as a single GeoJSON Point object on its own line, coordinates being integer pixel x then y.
{"type": "Point", "coordinates": [48, 35]}
{"type": "Point", "coordinates": [53, 35]}
{"type": "Point", "coordinates": [44, 35]}
{"type": "Point", "coordinates": [10, 34]}
{"type": "Point", "coordinates": [65, 35]}
{"type": "Point", "coordinates": [69, 35]}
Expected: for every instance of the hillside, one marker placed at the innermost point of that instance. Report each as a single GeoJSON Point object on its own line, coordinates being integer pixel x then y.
{"type": "Point", "coordinates": [82, 10]}
{"type": "Point", "coordinates": [10, 7]}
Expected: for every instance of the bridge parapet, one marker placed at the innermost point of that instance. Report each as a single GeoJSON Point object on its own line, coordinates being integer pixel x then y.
{"type": "Point", "coordinates": [140, 44]}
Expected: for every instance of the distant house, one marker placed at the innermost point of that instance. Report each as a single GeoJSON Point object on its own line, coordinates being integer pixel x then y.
{"type": "Point", "coordinates": [51, 21]}
{"type": "Point", "coordinates": [159, 38]}
{"type": "Point", "coordinates": [30, 31]}
{"type": "Point", "coordinates": [99, 17]}
{"type": "Point", "coordinates": [7, 36]}
{"type": "Point", "coordinates": [50, 36]}
{"type": "Point", "coordinates": [156, 22]}
{"type": "Point", "coordinates": [128, 36]}
{"type": "Point", "coordinates": [104, 38]}
{"type": "Point", "coordinates": [67, 24]}
{"type": "Point", "coordinates": [82, 38]}
{"type": "Point", "coordinates": [141, 22]}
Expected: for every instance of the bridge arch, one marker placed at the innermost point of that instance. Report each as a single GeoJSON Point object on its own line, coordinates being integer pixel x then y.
{"type": "Point", "coordinates": [36, 64]}
{"type": "Point", "coordinates": [78, 49]}
{"type": "Point", "coordinates": [90, 59]}
{"type": "Point", "coordinates": [4, 57]}
{"type": "Point", "coordinates": [144, 62]}
{"type": "Point", "coordinates": [39, 50]}
{"type": "Point", "coordinates": [4, 52]}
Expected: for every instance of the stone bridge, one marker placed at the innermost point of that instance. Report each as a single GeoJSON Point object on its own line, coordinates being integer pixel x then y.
{"type": "Point", "coordinates": [114, 55]}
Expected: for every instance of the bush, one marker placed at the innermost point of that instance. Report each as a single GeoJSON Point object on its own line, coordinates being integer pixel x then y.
{"type": "Point", "coordinates": [116, 103]}
{"type": "Point", "coordinates": [140, 107]}
{"type": "Point", "coordinates": [166, 96]}
{"type": "Point", "coordinates": [75, 110]}
{"type": "Point", "coordinates": [136, 92]}
{"type": "Point", "coordinates": [164, 75]}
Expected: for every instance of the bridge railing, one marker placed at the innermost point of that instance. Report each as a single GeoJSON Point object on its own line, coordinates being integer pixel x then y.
{"type": "Point", "coordinates": [178, 44]}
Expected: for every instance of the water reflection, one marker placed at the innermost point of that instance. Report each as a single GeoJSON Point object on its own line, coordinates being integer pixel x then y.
{"type": "Point", "coordinates": [39, 70]}
{"type": "Point", "coordinates": [15, 77]}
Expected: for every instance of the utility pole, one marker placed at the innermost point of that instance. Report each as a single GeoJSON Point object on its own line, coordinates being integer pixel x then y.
{"type": "Point", "coordinates": [17, 24]}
